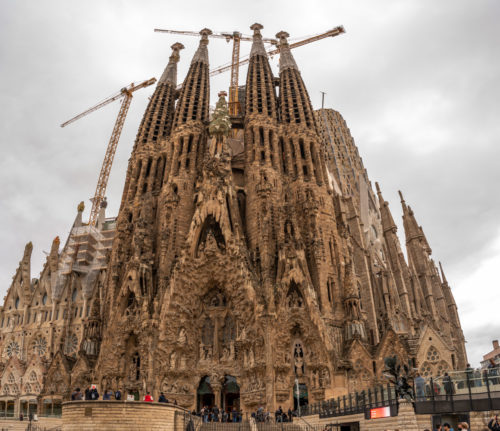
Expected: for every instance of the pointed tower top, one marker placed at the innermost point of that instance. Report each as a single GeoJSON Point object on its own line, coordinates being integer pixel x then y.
{"type": "Point", "coordinates": [258, 44]}
{"type": "Point", "coordinates": [401, 197]}
{"type": "Point", "coordinates": [201, 55]}
{"type": "Point", "coordinates": [385, 212]}
{"type": "Point", "coordinates": [286, 59]}
{"type": "Point", "coordinates": [80, 207]}
{"type": "Point", "coordinates": [443, 277]}
{"type": "Point", "coordinates": [170, 73]}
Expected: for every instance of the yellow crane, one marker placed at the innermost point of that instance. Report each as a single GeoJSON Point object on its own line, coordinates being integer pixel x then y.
{"type": "Point", "coordinates": [236, 37]}
{"type": "Point", "coordinates": [126, 93]}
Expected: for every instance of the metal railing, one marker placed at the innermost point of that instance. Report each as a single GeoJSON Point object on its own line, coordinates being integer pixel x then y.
{"type": "Point", "coordinates": [469, 390]}
{"type": "Point", "coordinates": [357, 402]}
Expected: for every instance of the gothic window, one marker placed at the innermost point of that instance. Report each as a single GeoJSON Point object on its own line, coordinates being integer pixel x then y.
{"type": "Point", "coordinates": [432, 354]}
{"type": "Point", "coordinates": [207, 332]}
{"type": "Point", "coordinates": [28, 389]}
{"type": "Point", "coordinates": [136, 367]}
{"type": "Point", "coordinates": [32, 378]}
{"type": "Point", "coordinates": [40, 346]}
{"type": "Point", "coordinates": [442, 368]}
{"type": "Point", "coordinates": [426, 370]}
{"type": "Point", "coordinates": [229, 331]}
{"type": "Point", "coordinates": [17, 302]}
{"type": "Point", "coordinates": [74, 295]}
{"type": "Point", "coordinates": [71, 345]}
{"type": "Point", "coordinates": [11, 379]}
{"type": "Point", "coordinates": [44, 299]}
{"type": "Point", "coordinates": [13, 349]}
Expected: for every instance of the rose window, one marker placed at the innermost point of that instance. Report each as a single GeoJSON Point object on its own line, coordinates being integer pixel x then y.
{"type": "Point", "coordinates": [432, 355]}
{"type": "Point", "coordinates": [71, 345]}
{"type": "Point", "coordinates": [40, 346]}
{"type": "Point", "coordinates": [13, 349]}
{"type": "Point", "coordinates": [426, 370]}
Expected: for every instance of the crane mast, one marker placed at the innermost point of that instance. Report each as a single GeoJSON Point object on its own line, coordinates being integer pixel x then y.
{"type": "Point", "coordinates": [102, 182]}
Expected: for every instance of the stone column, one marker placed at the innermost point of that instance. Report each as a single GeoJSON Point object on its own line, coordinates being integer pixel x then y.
{"type": "Point", "coordinates": [407, 419]}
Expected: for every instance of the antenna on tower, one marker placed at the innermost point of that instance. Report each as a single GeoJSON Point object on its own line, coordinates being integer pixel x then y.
{"type": "Point", "coordinates": [322, 99]}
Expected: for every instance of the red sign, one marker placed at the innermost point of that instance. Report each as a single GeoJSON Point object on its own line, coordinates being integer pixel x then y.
{"type": "Point", "coordinates": [380, 412]}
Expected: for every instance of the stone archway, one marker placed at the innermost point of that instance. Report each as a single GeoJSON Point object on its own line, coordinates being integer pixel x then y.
{"type": "Point", "coordinates": [204, 395]}
{"type": "Point", "coordinates": [230, 394]}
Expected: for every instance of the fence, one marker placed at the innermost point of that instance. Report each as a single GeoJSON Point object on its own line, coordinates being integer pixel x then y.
{"type": "Point", "coordinates": [358, 402]}
{"type": "Point", "coordinates": [460, 391]}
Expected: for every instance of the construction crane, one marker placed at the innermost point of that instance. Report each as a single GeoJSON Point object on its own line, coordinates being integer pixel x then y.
{"type": "Point", "coordinates": [236, 37]}
{"type": "Point", "coordinates": [330, 33]}
{"type": "Point", "coordinates": [126, 93]}
{"type": "Point", "coordinates": [236, 62]}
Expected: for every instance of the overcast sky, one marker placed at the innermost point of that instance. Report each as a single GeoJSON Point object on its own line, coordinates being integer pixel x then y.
{"type": "Point", "coordinates": [416, 80]}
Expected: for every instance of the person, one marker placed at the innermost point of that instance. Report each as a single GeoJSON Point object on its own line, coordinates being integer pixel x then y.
{"type": "Point", "coordinates": [447, 427]}
{"type": "Point", "coordinates": [148, 398]}
{"type": "Point", "coordinates": [463, 426]}
{"type": "Point", "coordinates": [225, 416]}
{"type": "Point", "coordinates": [21, 417]}
{"type": "Point", "coordinates": [107, 395]}
{"type": "Point", "coordinates": [448, 386]}
{"type": "Point", "coordinates": [469, 375]}
{"type": "Point", "coordinates": [118, 395]}
{"type": "Point", "coordinates": [94, 395]}
{"type": "Point", "coordinates": [162, 398]}
{"type": "Point", "coordinates": [438, 427]}
{"type": "Point", "coordinates": [215, 413]}
{"type": "Point", "coordinates": [493, 372]}
{"type": "Point", "coordinates": [420, 387]}
{"type": "Point", "coordinates": [204, 414]}
{"type": "Point", "coordinates": [76, 395]}
{"type": "Point", "coordinates": [87, 394]}
{"type": "Point", "coordinates": [290, 415]}
{"type": "Point", "coordinates": [494, 424]}
{"type": "Point", "coordinates": [234, 413]}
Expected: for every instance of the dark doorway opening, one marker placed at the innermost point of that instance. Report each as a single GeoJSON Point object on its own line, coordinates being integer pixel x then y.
{"type": "Point", "coordinates": [230, 395]}
{"type": "Point", "coordinates": [303, 396]}
{"type": "Point", "coordinates": [204, 395]}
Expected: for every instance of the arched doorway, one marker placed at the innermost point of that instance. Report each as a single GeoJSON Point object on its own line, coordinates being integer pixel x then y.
{"type": "Point", "coordinates": [204, 395]}
{"type": "Point", "coordinates": [230, 394]}
{"type": "Point", "coordinates": [302, 398]}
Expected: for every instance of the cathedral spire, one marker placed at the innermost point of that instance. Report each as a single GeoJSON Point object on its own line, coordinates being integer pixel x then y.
{"type": "Point", "coordinates": [201, 54]}
{"type": "Point", "coordinates": [193, 103]}
{"type": "Point", "coordinates": [387, 219]}
{"type": "Point", "coordinates": [260, 93]}
{"type": "Point", "coordinates": [286, 58]}
{"type": "Point", "coordinates": [170, 73]}
{"type": "Point", "coordinates": [296, 106]}
{"type": "Point", "coordinates": [443, 277]}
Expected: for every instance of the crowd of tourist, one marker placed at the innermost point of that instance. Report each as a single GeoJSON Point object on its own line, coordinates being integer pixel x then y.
{"type": "Point", "coordinates": [91, 394]}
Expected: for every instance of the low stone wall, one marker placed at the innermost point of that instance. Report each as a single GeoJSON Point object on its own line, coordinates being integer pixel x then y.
{"type": "Point", "coordinates": [118, 415]}
{"type": "Point", "coordinates": [406, 420]}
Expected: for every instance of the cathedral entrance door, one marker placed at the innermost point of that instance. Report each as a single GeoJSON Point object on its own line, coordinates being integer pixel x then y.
{"type": "Point", "coordinates": [230, 395]}
{"type": "Point", "coordinates": [205, 394]}
{"type": "Point", "coordinates": [302, 399]}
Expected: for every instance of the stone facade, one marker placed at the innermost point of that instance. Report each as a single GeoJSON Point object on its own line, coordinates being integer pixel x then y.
{"type": "Point", "coordinates": [245, 260]}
